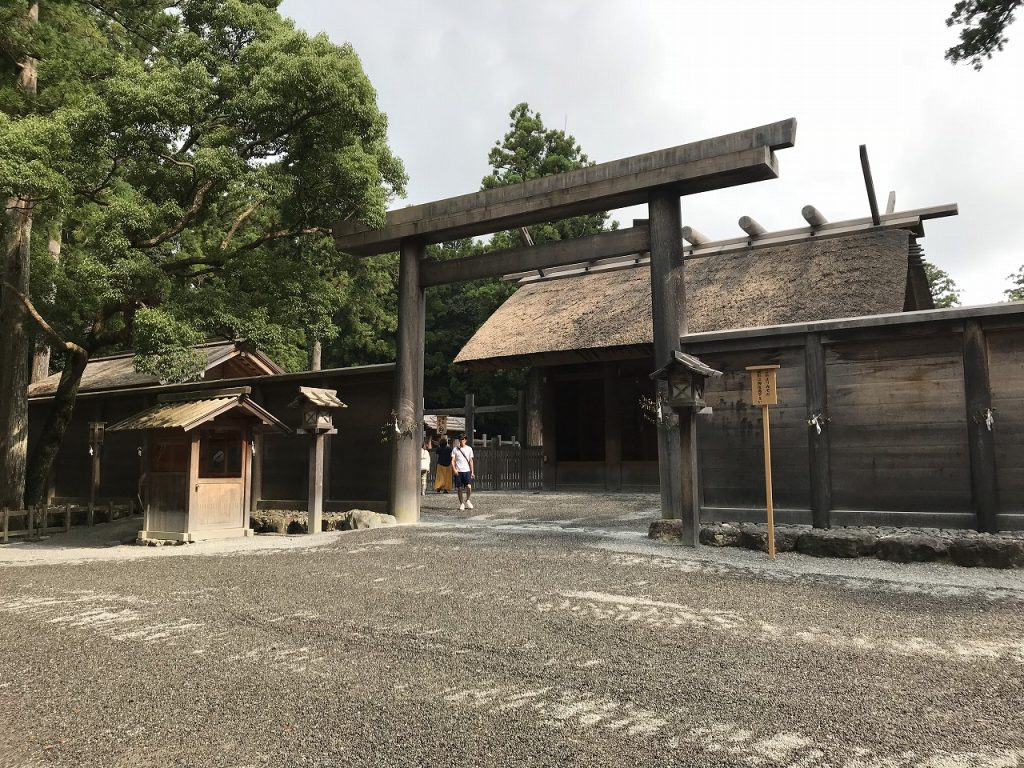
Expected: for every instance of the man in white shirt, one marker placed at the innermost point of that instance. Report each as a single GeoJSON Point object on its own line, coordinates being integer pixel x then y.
{"type": "Point", "coordinates": [462, 460]}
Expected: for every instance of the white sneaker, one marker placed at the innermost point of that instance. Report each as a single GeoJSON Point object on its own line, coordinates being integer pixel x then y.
{"type": "Point", "coordinates": [462, 507]}
{"type": "Point", "coordinates": [469, 505]}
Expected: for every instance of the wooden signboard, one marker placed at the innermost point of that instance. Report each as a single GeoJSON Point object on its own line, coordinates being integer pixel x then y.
{"type": "Point", "coordinates": [764, 392]}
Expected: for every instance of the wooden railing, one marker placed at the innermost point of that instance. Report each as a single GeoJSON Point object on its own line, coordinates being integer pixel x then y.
{"type": "Point", "coordinates": [35, 522]}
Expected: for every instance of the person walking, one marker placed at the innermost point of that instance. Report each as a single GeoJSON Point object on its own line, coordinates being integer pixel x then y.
{"type": "Point", "coordinates": [462, 459]}
{"type": "Point", "coordinates": [443, 473]}
{"type": "Point", "coordinates": [424, 465]}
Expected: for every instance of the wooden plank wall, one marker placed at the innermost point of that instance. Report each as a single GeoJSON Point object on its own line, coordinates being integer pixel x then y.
{"type": "Point", "coordinates": [902, 402]}
{"type": "Point", "coordinates": [897, 425]}
{"type": "Point", "coordinates": [1006, 367]}
{"type": "Point", "coordinates": [729, 440]}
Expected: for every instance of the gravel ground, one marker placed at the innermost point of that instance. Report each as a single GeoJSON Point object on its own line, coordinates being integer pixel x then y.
{"type": "Point", "coordinates": [537, 629]}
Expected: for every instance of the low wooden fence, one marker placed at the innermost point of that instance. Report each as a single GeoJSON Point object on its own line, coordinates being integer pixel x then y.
{"type": "Point", "coordinates": [504, 468]}
{"type": "Point", "coordinates": [36, 521]}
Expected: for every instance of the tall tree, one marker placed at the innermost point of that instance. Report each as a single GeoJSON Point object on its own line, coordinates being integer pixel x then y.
{"type": "Point", "coordinates": [15, 372]}
{"type": "Point", "coordinates": [1016, 292]}
{"type": "Point", "coordinates": [984, 24]}
{"type": "Point", "coordinates": [943, 287]}
{"type": "Point", "coordinates": [529, 150]}
{"type": "Point", "coordinates": [228, 149]}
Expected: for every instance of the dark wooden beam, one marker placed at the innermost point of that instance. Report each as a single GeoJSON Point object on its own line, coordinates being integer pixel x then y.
{"type": "Point", "coordinates": [477, 409]}
{"type": "Point", "coordinates": [668, 309]}
{"type": "Point", "coordinates": [606, 245]}
{"type": "Point", "coordinates": [724, 161]}
{"type": "Point", "coordinates": [612, 429]}
{"type": "Point", "coordinates": [980, 426]}
{"type": "Point", "coordinates": [549, 432]}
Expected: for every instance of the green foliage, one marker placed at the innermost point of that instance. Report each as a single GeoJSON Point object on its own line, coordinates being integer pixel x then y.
{"type": "Point", "coordinates": [193, 156]}
{"type": "Point", "coordinates": [984, 23]}
{"type": "Point", "coordinates": [943, 288]}
{"type": "Point", "coordinates": [528, 151]}
{"type": "Point", "coordinates": [1016, 293]}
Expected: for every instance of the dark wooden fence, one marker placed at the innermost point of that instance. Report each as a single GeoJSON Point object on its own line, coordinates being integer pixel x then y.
{"type": "Point", "coordinates": [504, 468]}
{"type": "Point", "coordinates": [922, 419]}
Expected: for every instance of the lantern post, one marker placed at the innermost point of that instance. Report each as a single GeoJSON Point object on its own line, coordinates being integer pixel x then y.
{"type": "Point", "coordinates": [318, 406]}
{"type": "Point", "coordinates": [680, 394]}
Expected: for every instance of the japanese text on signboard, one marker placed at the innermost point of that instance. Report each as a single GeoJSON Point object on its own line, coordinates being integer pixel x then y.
{"type": "Point", "coordinates": [763, 390]}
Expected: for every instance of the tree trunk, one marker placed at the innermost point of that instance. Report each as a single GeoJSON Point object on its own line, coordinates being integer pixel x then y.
{"type": "Point", "coordinates": [14, 335]}
{"type": "Point", "coordinates": [57, 421]}
{"type": "Point", "coordinates": [41, 358]}
{"type": "Point", "coordinates": [14, 356]}
{"type": "Point", "coordinates": [314, 356]}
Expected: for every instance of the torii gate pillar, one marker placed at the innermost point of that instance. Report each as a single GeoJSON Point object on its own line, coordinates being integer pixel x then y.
{"type": "Point", "coordinates": [404, 483]}
{"type": "Point", "coordinates": [677, 465]}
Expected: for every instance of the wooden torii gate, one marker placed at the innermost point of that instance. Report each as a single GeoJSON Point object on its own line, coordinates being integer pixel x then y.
{"type": "Point", "coordinates": [658, 179]}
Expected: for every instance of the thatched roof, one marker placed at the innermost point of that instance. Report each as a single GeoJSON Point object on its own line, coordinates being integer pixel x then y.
{"type": "Point", "coordinates": [118, 371]}
{"type": "Point", "coordinates": [859, 275]}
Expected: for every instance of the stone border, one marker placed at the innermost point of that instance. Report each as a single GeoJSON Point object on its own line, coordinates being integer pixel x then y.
{"type": "Point", "coordinates": [899, 545]}
{"type": "Point", "coordinates": [284, 521]}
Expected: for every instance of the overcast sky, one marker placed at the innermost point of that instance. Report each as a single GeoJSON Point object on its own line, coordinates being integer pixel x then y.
{"type": "Point", "coordinates": [628, 78]}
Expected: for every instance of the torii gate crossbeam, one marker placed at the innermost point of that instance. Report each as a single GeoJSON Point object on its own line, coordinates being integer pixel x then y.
{"type": "Point", "coordinates": [657, 178]}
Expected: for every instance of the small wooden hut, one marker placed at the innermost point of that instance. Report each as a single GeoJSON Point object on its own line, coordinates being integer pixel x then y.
{"type": "Point", "coordinates": [198, 462]}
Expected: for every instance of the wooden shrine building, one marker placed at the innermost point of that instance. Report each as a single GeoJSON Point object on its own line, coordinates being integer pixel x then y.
{"type": "Point", "coordinates": [356, 467]}
{"type": "Point", "coordinates": [197, 462]}
{"type": "Point", "coordinates": [891, 412]}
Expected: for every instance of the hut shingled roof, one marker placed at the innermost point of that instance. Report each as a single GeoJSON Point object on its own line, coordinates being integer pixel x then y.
{"type": "Point", "coordinates": [865, 274]}
{"type": "Point", "coordinates": [118, 371]}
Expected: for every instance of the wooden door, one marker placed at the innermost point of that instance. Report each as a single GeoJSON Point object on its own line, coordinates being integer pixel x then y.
{"type": "Point", "coordinates": [219, 491]}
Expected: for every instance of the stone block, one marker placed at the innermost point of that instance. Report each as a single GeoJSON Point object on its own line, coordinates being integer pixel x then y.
{"type": "Point", "coordinates": [720, 535]}
{"type": "Point", "coordinates": [837, 543]}
{"type": "Point", "coordinates": [978, 552]}
{"type": "Point", "coordinates": [666, 530]}
{"type": "Point", "coordinates": [911, 548]}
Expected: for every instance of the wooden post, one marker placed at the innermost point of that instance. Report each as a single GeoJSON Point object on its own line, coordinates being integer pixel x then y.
{"type": "Point", "coordinates": [549, 434]}
{"type": "Point", "coordinates": [764, 392]}
{"type": "Point", "coordinates": [533, 435]}
{"type": "Point", "coordinates": [689, 486]}
{"type": "Point", "coordinates": [980, 426]}
{"type": "Point", "coordinates": [30, 515]}
{"type": "Point", "coordinates": [470, 418]}
{"type": "Point", "coordinates": [315, 511]}
{"type": "Point", "coordinates": [818, 439]}
{"type": "Point", "coordinates": [768, 482]}
{"type": "Point", "coordinates": [612, 430]}
{"type": "Point", "coordinates": [257, 473]}
{"type": "Point", "coordinates": [110, 511]}
{"type": "Point", "coordinates": [328, 460]}
{"type": "Point", "coordinates": [521, 414]}
{"type": "Point", "coordinates": [3, 511]}
{"type": "Point", "coordinates": [67, 518]}
{"type": "Point", "coordinates": [668, 305]}
{"type": "Point", "coordinates": [95, 447]}
{"type": "Point", "coordinates": [404, 490]}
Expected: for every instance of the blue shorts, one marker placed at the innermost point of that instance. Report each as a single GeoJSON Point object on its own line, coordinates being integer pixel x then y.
{"type": "Point", "coordinates": [462, 479]}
